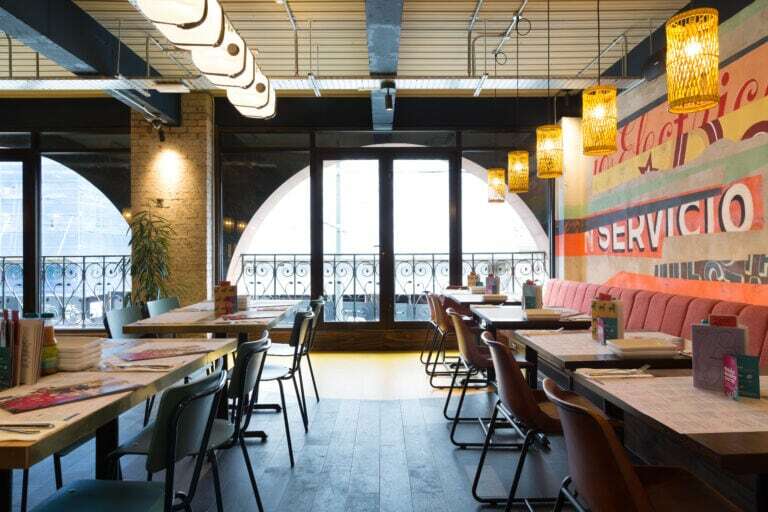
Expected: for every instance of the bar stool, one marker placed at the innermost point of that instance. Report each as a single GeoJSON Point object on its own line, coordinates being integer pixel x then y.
{"type": "Point", "coordinates": [605, 480]}
{"type": "Point", "coordinates": [524, 409]}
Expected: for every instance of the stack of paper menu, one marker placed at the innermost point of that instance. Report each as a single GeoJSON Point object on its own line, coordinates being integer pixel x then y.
{"type": "Point", "coordinates": [642, 347]}
{"type": "Point", "coordinates": [542, 314]}
{"type": "Point", "coordinates": [31, 350]}
{"type": "Point", "coordinates": [78, 354]}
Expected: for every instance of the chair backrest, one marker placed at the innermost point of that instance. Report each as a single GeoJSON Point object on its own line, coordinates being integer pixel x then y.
{"type": "Point", "coordinates": [300, 334]}
{"type": "Point", "coordinates": [597, 463]}
{"type": "Point", "coordinates": [246, 374]}
{"type": "Point", "coordinates": [115, 319]}
{"type": "Point", "coordinates": [468, 348]}
{"type": "Point", "coordinates": [441, 319]}
{"type": "Point", "coordinates": [514, 392]}
{"type": "Point", "coordinates": [160, 306]}
{"type": "Point", "coordinates": [317, 306]}
{"type": "Point", "coordinates": [184, 419]}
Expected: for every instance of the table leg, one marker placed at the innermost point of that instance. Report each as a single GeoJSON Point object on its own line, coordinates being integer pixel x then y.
{"type": "Point", "coordinates": [106, 442]}
{"type": "Point", "coordinates": [6, 489]}
{"type": "Point", "coordinates": [761, 492]}
{"type": "Point", "coordinates": [532, 374]}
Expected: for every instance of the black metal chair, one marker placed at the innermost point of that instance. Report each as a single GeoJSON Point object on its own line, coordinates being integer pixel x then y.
{"type": "Point", "coordinates": [281, 373]}
{"type": "Point", "coordinates": [243, 392]}
{"type": "Point", "coordinates": [160, 306]}
{"type": "Point", "coordinates": [114, 321]}
{"type": "Point", "coordinates": [286, 350]}
{"type": "Point", "coordinates": [183, 426]}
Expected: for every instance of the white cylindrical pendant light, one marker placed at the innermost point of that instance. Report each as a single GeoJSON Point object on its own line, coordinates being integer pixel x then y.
{"type": "Point", "coordinates": [228, 59]}
{"type": "Point", "coordinates": [256, 96]}
{"type": "Point", "coordinates": [265, 112]}
{"type": "Point", "coordinates": [209, 32]}
{"type": "Point", "coordinates": [183, 13]}
{"type": "Point", "coordinates": [243, 80]}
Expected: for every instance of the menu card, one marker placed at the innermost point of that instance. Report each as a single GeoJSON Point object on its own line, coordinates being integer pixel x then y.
{"type": "Point", "coordinates": [710, 345]}
{"type": "Point", "coordinates": [51, 396]}
{"type": "Point", "coordinates": [532, 296]}
{"type": "Point", "coordinates": [607, 319]}
{"type": "Point", "coordinates": [741, 376]}
{"type": "Point", "coordinates": [224, 299]}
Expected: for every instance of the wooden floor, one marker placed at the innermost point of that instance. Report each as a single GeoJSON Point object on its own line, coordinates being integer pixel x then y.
{"type": "Point", "coordinates": [377, 442]}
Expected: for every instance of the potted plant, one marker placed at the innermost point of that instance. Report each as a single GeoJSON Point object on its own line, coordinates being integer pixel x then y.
{"type": "Point", "coordinates": [151, 236]}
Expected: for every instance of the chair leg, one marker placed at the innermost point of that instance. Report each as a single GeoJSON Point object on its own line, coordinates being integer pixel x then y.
{"type": "Point", "coordinates": [303, 396]}
{"type": "Point", "coordinates": [450, 393]}
{"type": "Point", "coordinates": [426, 345]}
{"type": "Point", "coordinates": [312, 375]}
{"type": "Point", "coordinates": [561, 496]}
{"type": "Point", "coordinates": [304, 419]}
{"type": "Point", "coordinates": [150, 402]}
{"type": "Point", "coordinates": [24, 490]}
{"type": "Point", "coordinates": [432, 344]}
{"type": "Point", "coordinates": [216, 480]}
{"type": "Point", "coordinates": [483, 454]}
{"type": "Point", "coordinates": [250, 474]}
{"type": "Point", "coordinates": [285, 420]}
{"type": "Point", "coordinates": [57, 471]}
{"type": "Point", "coordinates": [529, 438]}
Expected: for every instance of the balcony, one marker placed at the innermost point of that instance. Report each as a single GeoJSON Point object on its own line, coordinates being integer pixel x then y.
{"type": "Point", "coordinates": [77, 290]}
{"type": "Point", "coordinates": [351, 281]}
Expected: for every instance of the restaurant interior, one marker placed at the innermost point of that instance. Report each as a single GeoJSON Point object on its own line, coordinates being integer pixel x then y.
{"type": "Point", "coordinates": [383, 255]}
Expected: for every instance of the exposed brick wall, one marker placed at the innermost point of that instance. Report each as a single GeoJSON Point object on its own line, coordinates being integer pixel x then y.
{"type": "Point", "coordinates": [179, 171]}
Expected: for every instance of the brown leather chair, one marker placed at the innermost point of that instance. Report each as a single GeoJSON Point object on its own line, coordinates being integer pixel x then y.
{"type": "Point", "coordinates": [429, 339]}
{"type": "Point", "coordinates": [437, 354]}
{"type": "Point", "coordinates": [604, 478]}
{"type": "Point", "coordinates": [524, 409]}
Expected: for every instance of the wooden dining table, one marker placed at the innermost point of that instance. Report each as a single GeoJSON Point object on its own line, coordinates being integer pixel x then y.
{"type": "Point", "coordinates": [98, 416]}
{"type": "Point", "coordinates": [559, 354]}
{"type": "Point", "coordinates": [200, 318]}
{"type": "Point", "coordinates": [495, 318]}
{"type": "Point", "coordinates": [669, 422]}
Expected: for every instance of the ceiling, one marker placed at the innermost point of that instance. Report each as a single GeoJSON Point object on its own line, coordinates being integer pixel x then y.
{"type": "Point", "coordinates": [332, 38]}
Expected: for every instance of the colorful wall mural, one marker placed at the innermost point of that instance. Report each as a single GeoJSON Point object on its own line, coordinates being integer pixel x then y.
{"type": "Point", "coordinates": [680, 207]}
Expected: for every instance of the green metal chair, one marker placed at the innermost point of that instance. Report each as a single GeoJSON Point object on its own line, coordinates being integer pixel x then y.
{"type": "Point", "coordinates": [183, 426]}
{"type": "Point", "coordinates": [114, 321]}
{"type": "Point", "coordinates": [225, 433]}
{"type": "Point", "coordinates": [160, 306]}
{"type": "Point", "coordinates": [286, 350]}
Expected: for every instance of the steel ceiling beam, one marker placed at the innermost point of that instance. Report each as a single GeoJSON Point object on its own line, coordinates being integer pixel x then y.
{"type": "Point", "coordinates": [70, 37]}
{"type": "Point", "coordinates": [383, 20]}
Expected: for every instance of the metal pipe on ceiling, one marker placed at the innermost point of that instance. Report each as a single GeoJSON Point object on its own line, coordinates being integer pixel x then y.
{"type": "Point", "coordinates": [511, 27]}
{"type": "Point", "coordinates": [625, 47]}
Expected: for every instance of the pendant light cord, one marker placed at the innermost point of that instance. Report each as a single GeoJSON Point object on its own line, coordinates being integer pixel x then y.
{"type": "Point", "coordinates": [599, 49]}
{"type": "Point", "coordinates": [548, 43]}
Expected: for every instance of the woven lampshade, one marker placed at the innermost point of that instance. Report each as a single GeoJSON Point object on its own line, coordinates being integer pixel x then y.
{"type": "Point", "coordinates": [549, 151]}
{"type": "Point", "coordinates": [598, 120]}
{"type": "Point", "coordinates": [693, 56]}
{"type": "Point", "coordinates": [497, 186]}
{"type": "Point", "coordinates": [517, 171]}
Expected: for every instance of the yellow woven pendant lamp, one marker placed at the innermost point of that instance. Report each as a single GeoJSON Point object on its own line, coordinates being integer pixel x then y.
{"type": "Point", "coordinates": [549, 151]}
{"type": "Point", "coordinates": [599, 123]}
{"type": "Point", "coordinates": [517, 171]}
{"type": "Point", "coordinates": [497, 186]}
{"type": "Point", "coordinates": [693, 58]}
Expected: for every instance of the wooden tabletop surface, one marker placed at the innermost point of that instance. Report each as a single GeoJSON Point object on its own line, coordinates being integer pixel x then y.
{"type": "Point", "coordinates": [78, 420]}
{"type": "Point", "coordinates": [200, 318]}
{"type": "Point", "coordinates": [466, 298]}
{"type": "Point", "coordinates": [513, 317]}
{"type": "Point", "coordinates": [734, 434]}
{"type": "Point", "coordinates": [576, 349]}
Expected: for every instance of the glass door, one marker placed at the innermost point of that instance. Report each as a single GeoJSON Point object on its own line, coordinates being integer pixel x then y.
{"type": "Point", "coordinates": [420, 204]}
{"type": "Point", "coordinates": [351, 240]}
{"type": "Point", "coordinates": [11, 234]}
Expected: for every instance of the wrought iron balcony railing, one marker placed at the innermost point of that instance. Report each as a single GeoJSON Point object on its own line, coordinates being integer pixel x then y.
{"type": "Point", "coordinates": [77, 290]}
{"type": "Point", "coordinates": [351, 281]}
